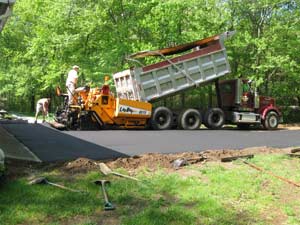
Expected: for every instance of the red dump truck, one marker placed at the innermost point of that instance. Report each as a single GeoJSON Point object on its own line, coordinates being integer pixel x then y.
{"type": "Point", "coordinates": [196, 64]}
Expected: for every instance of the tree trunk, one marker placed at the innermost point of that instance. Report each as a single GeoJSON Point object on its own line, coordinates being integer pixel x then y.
{"type": "Point", "coordinates": [32, 103]}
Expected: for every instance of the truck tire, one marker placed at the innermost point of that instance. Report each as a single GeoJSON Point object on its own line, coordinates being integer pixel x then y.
{"type": "Point", "coordinates": [214, 118]}
{"type": "Point", "coordinates": [190, 119]}
{"type": "Point", "coordinates": [271, 121]}
{"type": "Point", "coordinates": [162, 118]}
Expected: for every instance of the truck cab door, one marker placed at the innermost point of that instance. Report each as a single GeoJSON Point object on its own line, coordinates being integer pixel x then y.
{"type": "Point", "coordinates": [237, 95]}
{"type": "Point", "coordinates": [228, 93]}
{"type": "Point", "coordinates": [248, 95]}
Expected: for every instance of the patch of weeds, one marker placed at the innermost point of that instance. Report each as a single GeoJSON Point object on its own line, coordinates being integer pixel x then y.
{"type": "Point", "coordinates": [33, 204]}
{"type": "Point", "coordinates": [293, 217]}
{"type": "Point", "coordinates": [289, 210]}
{"type": "Point", "coordinates": [154, 215]}
{"type": "Point", "coordinates": [88, 223]}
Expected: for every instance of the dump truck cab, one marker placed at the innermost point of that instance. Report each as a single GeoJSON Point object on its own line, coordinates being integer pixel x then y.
{"type": "Point", "coordinates": [243, 105]}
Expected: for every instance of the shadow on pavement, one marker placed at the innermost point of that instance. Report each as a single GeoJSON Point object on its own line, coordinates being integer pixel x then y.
{"type": "Point", "coordinates": [51, 145]}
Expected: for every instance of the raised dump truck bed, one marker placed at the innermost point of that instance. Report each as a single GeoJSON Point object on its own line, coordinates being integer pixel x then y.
{"type": "Point", "coordinates": [206, 62]}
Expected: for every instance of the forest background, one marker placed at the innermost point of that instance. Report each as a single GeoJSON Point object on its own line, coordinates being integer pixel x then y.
{"type": "Point", "coordinates": [44, 38]}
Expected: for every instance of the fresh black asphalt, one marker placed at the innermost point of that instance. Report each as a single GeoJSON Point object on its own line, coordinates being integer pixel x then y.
{"type": "Point", "coordinates": [49, 144]}
{"type": "Point", "coordinates": [173, 141]}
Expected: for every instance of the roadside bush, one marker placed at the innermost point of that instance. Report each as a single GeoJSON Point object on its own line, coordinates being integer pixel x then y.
{"type": "Point", "coordinates": [291, 114]}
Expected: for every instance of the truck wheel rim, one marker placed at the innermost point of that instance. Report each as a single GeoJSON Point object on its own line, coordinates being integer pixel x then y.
{"type": "Point", "coordinates": [215, 117]}
{"type": "Point", "coordinates": [273, 121]}
{"type": "Point", "coordinates": [161, 119]}
{"type": "Point", "coordinates": [191, 120]}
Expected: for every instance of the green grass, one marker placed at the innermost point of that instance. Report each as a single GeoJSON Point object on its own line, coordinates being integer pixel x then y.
{"type": "Point", "coordinates": [216, 194]}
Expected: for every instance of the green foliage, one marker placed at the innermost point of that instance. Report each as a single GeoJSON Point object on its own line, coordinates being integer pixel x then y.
{"type": "Point", "coordinates": [293, 114]}
{"type": "Point", "coordinates": [265, 45]}
{"type": "Point", "coordinates": [44, 38]}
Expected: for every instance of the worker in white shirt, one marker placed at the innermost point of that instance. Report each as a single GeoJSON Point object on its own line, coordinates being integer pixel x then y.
{"type": "Point", "coordinates": [42, 106]}
{"type": "Point", "coordinates": [71, 83]}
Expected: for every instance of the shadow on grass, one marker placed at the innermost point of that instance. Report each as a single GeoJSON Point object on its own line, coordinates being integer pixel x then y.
{"type": "Point", "coordinates": [164, 204]}
{"type": "Point", "coordinates": [21, 203]}
{"type": "Point", "coordinates": [163, 200]}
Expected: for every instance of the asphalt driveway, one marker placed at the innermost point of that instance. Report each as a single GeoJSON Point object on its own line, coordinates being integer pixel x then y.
{"type": "Point", "coordinates": [48, 144]}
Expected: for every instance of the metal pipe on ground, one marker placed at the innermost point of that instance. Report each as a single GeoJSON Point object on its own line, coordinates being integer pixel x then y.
{"type": "Point", "coordinates": [229, 159]}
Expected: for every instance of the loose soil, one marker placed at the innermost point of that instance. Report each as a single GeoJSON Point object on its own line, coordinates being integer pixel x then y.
{"type": "Point", "coordinates": [149, 162]}
{"type": "Point", "coordinates": [154, 161]}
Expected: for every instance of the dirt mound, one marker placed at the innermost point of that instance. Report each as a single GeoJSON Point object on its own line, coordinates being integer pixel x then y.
{"type": "Point", "coordinates": [132, 165]}
{"type": "Point", "coordinates": [80, 165]}
{"type": "Point", "coordinates": [153, 161]}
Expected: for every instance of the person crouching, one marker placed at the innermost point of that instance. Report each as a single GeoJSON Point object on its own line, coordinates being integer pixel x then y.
{"type": "Point", "coordinates": [42, 106]}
